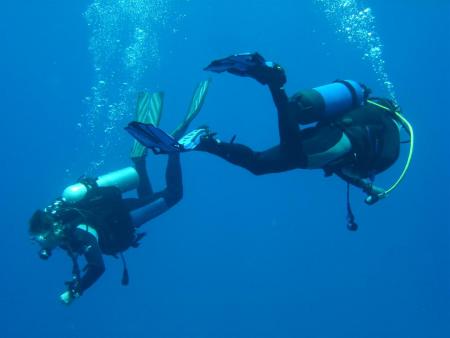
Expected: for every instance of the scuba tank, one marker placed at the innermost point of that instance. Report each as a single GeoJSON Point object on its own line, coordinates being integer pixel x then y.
{"type": "Point", "coordinates": [124, 179]}
{"type": "Point", "coordinates": [328, 101]}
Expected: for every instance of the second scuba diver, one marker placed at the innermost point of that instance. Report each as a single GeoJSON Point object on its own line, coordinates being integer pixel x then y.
{"type": "Point", "coordinates": [348, 133]}
{"type": "Point", "coordinates": [91, 218]}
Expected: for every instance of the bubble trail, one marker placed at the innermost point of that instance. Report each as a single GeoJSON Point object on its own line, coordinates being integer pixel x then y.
{"type": "Point", "coordinates": [356, 24]}
{"type": "Point", "coordinates": [124, 46]}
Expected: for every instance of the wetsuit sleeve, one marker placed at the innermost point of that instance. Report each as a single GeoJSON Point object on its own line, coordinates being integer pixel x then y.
{"type": "Point", "coordinates": [367, 186]}
{"type": "Point", "coordinates": [95, 265]}
{"type": "Point", "coordinates": [353, 180]}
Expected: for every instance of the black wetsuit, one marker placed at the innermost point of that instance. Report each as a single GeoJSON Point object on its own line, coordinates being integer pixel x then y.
{"type": "Point", "coordinates": [92, 246]}
{"type": "Point", "coordinates": [373, 142]}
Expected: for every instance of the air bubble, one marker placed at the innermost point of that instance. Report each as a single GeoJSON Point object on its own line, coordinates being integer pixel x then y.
{"type": "Point", "coordinates": [124, 44]}
{"type": "Point", "coordinates": [358, 27]}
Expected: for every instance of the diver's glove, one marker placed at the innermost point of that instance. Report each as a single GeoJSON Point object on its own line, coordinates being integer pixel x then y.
{"type": "Point", "coordinates": [73, 292]}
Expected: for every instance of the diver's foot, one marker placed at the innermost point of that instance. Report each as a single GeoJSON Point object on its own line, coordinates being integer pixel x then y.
{"type": "Point", "coordinates": [193, 139]}
{"type": "Point", "coordinates": [269, 73]}
{"type": "Point", "coordinates": [250, 65]}
{"type": "Point", "coordinates": [208, 141]}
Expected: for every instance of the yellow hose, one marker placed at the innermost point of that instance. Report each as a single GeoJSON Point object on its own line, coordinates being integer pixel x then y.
{"type": "Point", "coordinates": [409, 129]}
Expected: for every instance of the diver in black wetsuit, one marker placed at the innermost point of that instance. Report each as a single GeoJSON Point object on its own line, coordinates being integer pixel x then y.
{"type": "Point", "coordinates": [91, 218]}
{"type": "Point", "coordinates": [347, 133]}
{"type": "Point", "coordinates": [353, 137]}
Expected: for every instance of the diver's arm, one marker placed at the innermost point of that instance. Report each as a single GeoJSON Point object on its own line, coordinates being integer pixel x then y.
{"type": "Point", "coordinates": [354, 180]}
{"type": "Point", "coordinates": [95, 265]}
{"type": "Point", "coordinates": [364, 184]}
{"type": "Point", "coordinates": [87, 245]}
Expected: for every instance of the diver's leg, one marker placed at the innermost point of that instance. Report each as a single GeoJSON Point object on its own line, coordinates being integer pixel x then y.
{"type": "Point", "coordinates": [272, 160]}
{"type": "Point", "coordinates": [144, 188]}
{"type": "Point", "coordinates": [325, 145]}
{"type": "Point", "coordinates": [146, 208]}
{"type": "Point", "coordinates": [288, 127]}
{"type": "Point", "coordinates": [174, 180]}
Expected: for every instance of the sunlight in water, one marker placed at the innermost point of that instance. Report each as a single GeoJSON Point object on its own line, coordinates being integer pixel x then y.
{"type": "Point", "coordinates": [357, 25]}
{"type": "Point", "coordinates": [124, 47]}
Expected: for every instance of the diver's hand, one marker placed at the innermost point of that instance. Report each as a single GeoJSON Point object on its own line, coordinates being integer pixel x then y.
{"type": "Point", "coordinates": [66, 297]}
{"type": "Point", "coordinates": [69, 296]}
{"type": "Point", "coordinates": [73, 292]}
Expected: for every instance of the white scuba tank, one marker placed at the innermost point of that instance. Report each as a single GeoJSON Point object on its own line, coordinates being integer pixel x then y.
{"type": "Point", "coordinates": [124, 179]}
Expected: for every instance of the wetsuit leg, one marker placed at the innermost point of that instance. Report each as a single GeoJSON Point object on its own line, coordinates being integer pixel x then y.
{"type": "Point", "coordinates": [288, 127]}
{"type": "Point", "coordinates": [174, 181]}
{"type": "Point", "coordinates": [309, 148]}
{"type": "Point", "coordinates": [280, 158]}
{"type": "Point", "coordinates": [272, 160]}
{"type": "Point", "coordinates": [149, 206]}
{"type": "Point", "coordinates": [144, 188]}
{"type": "Point", "coordinates": [322, 145]}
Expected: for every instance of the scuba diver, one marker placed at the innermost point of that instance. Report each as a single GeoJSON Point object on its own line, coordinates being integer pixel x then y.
{"type": "Point", "coordinates": [347, 133]}
{"type": "Point", "coordinates": [92, 218]}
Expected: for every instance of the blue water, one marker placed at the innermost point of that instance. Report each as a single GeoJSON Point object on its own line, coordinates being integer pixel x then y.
{"type": "Point", "coordinates": [240, 256]}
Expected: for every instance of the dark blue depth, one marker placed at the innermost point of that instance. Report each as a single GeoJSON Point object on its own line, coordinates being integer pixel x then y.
{"type": "Point", "coordinates": [240, 256]}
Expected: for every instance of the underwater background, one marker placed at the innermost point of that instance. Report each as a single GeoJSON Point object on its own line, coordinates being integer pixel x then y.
{"type": "Point", "coordinates": [240, 256]}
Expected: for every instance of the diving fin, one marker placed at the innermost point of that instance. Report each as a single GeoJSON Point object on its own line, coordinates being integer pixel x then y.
{"type": "Point", "coordinates": [148, 110]}
{"type": "Point", "coordinates": [250, 65]}
{"type": "Point", "coordinates": [196, 104]}
{"type": "Point", "coordinates": [153, 138]}
{"type": "Point", "coordinates": [237, 64]}
{"type": "Point", "coordinates": [191, 140]}
{"type": "Point", "coordinates": [160, 142]}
